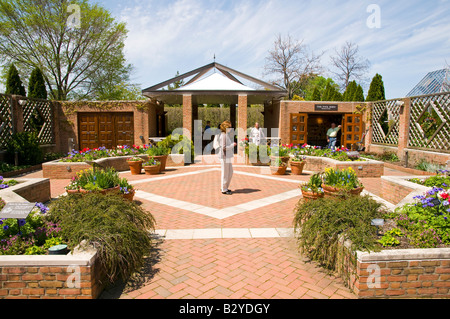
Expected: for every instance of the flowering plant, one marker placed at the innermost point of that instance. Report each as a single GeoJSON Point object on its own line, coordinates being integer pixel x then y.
{"type": "Point", "coordinates": [4, 184]}
{"type": "Point", "coordinates": [277, 163]}
{"type": "Point", "coordinates": [343, 179]}
{"type": "Point", "coordinates": [427, 220]}
{"type": "Point", "coordinates": [314, 184]}
{"type": "Point", "coordinates": [152, 162]}
{"type": "Point", "coordinates": [95, 180]}
{"type": "Point", "coordinates": [125, 187]}
{"type": "Point", "coordinates": [244, 142]}
{"type": "Point", "coordinates": [281, 151]}
{"type": "Point", "coordinates": [135, 159]}
{"type": "Point", "coordinates": [97, 153]}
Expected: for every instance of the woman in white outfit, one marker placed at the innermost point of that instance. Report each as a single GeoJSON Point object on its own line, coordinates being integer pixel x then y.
{"type": "Point", "coordinates": [226, 156]}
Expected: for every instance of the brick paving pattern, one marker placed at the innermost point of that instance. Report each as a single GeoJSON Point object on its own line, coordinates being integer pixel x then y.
{"type": "Point", "coordinates": [226, 268]}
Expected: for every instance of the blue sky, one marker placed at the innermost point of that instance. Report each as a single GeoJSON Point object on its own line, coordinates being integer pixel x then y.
{"type": "Point", "coordinates": [181, 35]}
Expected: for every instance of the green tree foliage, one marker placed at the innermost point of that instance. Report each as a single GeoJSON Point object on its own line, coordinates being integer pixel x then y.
{"type": "Point", "coordinates": [36, 85]}
{"type": "Point", "coordinates": [376, 90]}
{"type": "Point", "coordinates": [331, 93]}
{"type": "Point", "coordinates": [350, 91]}
{"type": "Point", "coordinates": [13, 83]}
{"type": "Point", "coordinates": [316, 94]}
{"type": "Point", "coordinates": [71, 56]}
{"type": "Point", "coordinates": [26, 145]}
{"type": "Point", "coordinates": [359, 94]}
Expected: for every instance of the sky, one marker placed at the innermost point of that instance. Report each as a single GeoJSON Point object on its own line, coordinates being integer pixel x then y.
{"type": "Point", "coordinates": [166, 36]}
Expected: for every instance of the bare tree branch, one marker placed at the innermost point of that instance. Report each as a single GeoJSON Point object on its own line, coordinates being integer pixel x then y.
{"type": "Point", "coordinates": [349, 65]}
{"type": "Point", "coordinates": [291, 61]}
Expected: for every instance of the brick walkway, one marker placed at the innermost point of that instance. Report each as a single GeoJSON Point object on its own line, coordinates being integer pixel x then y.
{"type": "Point", "coordinates": [212, 246]}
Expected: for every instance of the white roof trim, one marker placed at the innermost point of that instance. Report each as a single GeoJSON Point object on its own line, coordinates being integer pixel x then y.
{"type": "Point", "coordinates": [215, 82]}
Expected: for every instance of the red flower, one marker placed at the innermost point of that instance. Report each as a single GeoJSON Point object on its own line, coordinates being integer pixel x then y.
{"type": "Point", "coordinates": [445, 196]}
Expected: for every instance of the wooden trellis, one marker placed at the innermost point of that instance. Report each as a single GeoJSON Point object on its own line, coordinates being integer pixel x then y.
{"type": "Point", "coordinates": [430, 122]}
{"type": "Point", "coordinates": [386, 114]}
{"type": "Point", "coordinates": [40, 111]}
{"type": "Point", "coordinates": [6, 121]}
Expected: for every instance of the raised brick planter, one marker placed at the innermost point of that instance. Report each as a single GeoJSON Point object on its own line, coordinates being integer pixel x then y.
{"type": "Point", "coordinates": [73, 276]}
{"type": "Point", "coordinates": [28, 190]}
{"type": "Point", "coordinates": [399, 191]}
{"type": "Point", "coordinates": [367, 168]}
{"type": "Point", "coordinates": [68, 170]}
{"type": "Point", "coordinates": [402, 273]}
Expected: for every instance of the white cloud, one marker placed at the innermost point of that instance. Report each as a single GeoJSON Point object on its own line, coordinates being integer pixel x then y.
{"type": "Point", "coordinates": [180, 35]}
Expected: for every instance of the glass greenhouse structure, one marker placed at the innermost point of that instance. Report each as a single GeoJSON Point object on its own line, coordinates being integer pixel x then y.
{"type": "Point", "coordinates": [434, 82]}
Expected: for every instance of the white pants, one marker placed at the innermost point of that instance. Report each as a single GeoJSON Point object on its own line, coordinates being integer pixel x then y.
{"type": "Point", "coordinates": [227, 173]}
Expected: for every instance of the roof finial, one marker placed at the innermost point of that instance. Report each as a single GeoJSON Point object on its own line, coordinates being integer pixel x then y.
{"type": "Point", "coordinates": [214, 57]}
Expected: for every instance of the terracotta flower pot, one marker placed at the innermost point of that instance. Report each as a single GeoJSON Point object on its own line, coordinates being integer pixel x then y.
{"type": "Point", "coordinates": [297, 167]}
{"type": "Point", "coordinates": [333, 191]}
{"type": "Point", "coordinates": [284, 159]}
{"type": "Point", "coordinates": [130, 195]}
{"type": "Point", "coordinates": [278, 170]}
{"type": "Point", "coordinates": [163, 160]}
{"type": "Point", "coordinates": [152, 170]}
{"type": "Point", "coordinates": [135, 167]}
{"type": "Point", "coordinates": [307, 196]}
{"type": "Point", "coordinates": [72, 191]}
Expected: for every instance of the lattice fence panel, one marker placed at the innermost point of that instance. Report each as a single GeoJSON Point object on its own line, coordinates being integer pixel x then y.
{"type": "Point", "coordinates": [6, 121]}
{"type": "Point", "coordinates": [430, 122]}
{"type": "Point", "coordinates": [38, 117]}
{"type": "Point", "coordinates": [386, 122]}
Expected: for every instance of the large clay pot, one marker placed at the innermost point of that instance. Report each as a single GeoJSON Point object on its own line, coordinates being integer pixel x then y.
{"type": "Point", "coordinates": [284, 159]}
{"type": "Point", "coordinates": [152, 170]}
{"type": "Point", "coordinates": [333, 191]}
{"type": "Point", "coordinates": [297, 167]}
{"type": "Point", "coordinates": [163, 160]}
{"type": "Point", "coordinates": [135, 167]}
{"type": "Point", "coordinates": [103, 191]}
{"type": "Point", "coordinates": [307, 196]}
{"type": "Point", "coordinates": [278, 170]}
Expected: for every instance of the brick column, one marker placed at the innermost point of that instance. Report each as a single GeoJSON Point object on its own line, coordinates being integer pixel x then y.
{"type": "Point", "coordinates": [17, 113]}
{"type": "Point", "coordinates": [242, 120]}
{"type": "Point", "coordinates": [369, 126]}
{"type": "Point", "coordinates": [187, 116]}
{"type": "Point", "coordinates": [404, 122]}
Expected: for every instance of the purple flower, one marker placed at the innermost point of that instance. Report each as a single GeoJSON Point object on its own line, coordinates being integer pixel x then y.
{"type": "Point", "coordinates": [22, 222]}
{"type": "Point", "coordinates": [6, 227]}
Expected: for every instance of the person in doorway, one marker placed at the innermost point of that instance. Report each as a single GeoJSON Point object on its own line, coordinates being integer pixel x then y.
{"type": "Point", "coordinates": [332, 136]}
{"type": "Point", "coordinates": [226, 156]}
{"type": "Point", "coordinates": [257, 135]}
{"type": "Point", "coordinates": [208, 125]}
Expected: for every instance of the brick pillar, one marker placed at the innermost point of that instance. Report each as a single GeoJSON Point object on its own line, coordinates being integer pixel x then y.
{"type": "Point", "coordinates": [404, 122]}
{"type": "Point", "coordinates": [187, 116]}
{"type": "Point", "coordinates": [242, 120]}
{"type": "Point", "coordinates": [284, 124]}
{"type": "Point", "coordinates": [369, 126]}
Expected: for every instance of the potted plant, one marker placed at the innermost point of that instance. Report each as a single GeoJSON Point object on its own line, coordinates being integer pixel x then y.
{"type": "Point", "coordinates": [340, 182]}
{"type": "Point", "coordinates": [90, 180]}
{"type": "Point", "coordinates": [313, 189]}
{"type": "Point", "coordinates": [282, 152]}
{"type": "Point", "coordinates": [152, 167]}
{"type": "Point", "coordinates": [278, 167]}
{"type": "Point", "coordinates": [159, 153]}
{"type": "Point", "coordinates": [298, 163]}
{"type": "Point", "coordinates": [126, 189]}
{"type": "Point", "coordinates": [135, 164]}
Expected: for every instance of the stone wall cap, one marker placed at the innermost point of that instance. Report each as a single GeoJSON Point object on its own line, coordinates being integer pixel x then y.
{"type": "Point", "coordinates": [404, 254]}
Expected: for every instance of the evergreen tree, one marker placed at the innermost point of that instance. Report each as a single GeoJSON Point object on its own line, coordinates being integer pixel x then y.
{"type": "Point", "coordinates": [327, 94]}
{"type": "Point", "coordinates": [36, 85]}
{"type": "Point", "coordinates": [13, 83]}
{"type": "Point", "coordinates": [376, 91]}
{"type": "Point", "coordinates": [337, 96]}
{"type": "Point", "coordinates": [316, 94]}
{"type": "Point", "coordinates": [359, 94]}
{"type": "Point", "coordinates": [350, 91]}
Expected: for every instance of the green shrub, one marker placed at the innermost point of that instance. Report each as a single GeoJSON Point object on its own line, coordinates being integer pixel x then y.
{"type": "Point", "coordinates": [27, 146]}
{"type": "Point", "coordinates": [322, 223]}
{"type": "Point", "coordinates": [177, 144]}
{"type": "Point", "coordinates": [118, 229]}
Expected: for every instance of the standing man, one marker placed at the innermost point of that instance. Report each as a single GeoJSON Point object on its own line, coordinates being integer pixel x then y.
{"type": "Point", "coordinates": [257, 135]}
{"type": "Point", "coordinates": [332, 136]}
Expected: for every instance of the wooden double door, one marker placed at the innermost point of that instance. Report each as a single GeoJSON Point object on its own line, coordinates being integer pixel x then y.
{"type": "Point", "coordinates": [107, 129]}
{"type": "Point", "coordinates": [351, 131]}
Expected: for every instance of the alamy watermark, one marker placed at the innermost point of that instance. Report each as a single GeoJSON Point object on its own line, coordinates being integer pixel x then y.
{"type": "Point", "coordinates": [374, 20]}
{"type": "Point", "coordinates": [74, 20]}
